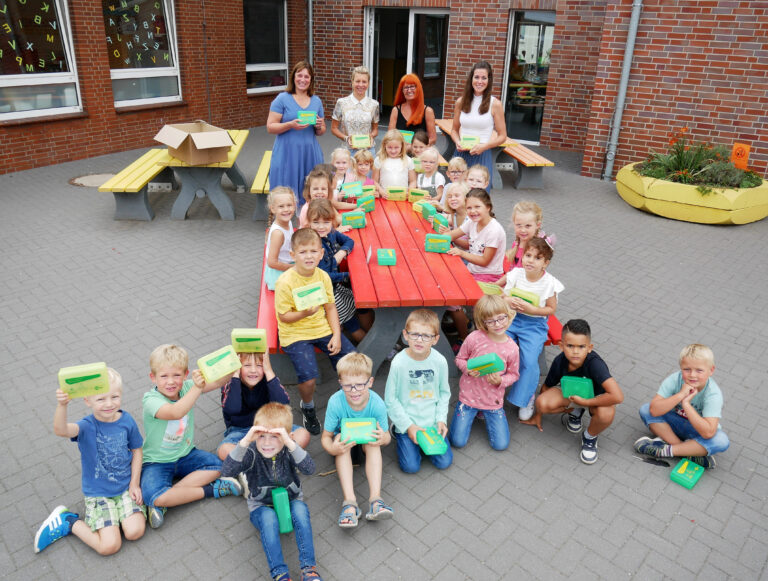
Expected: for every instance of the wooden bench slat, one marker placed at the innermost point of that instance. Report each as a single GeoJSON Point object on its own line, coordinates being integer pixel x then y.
{"type": "Point", "coordinates": [261, 181]}
{"type": "Point", "coordinates": [527, 156]}
{"type": "Point", "coordinates": [134, 177]}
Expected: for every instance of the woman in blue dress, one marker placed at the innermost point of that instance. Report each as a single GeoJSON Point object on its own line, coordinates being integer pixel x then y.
{"type": "Point", "coordinates": [296, 150]}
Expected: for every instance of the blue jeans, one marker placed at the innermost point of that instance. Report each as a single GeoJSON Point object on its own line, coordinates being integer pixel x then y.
{"type": "Point", "coordinates": [157, 477]}
{"type": "Point", "coordinates": [302, 355]}
{"type": "Point", "coordinates": [530, 334]}
{"type": "Point", "coordinates": [409, 455]}
{"type": "Point", "coordinates": [684, 430]}
{"type": "Point", "coordinates": [495, 423]}
{"type": "Point", "coordinates": [264, 518]}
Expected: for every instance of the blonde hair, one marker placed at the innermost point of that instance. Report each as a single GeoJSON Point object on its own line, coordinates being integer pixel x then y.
{"type": "Point", "coordinates": [246, 358]}
{"type": "Point", "coordinates": [457, 163]}
{"type": "Point", "coordinates": [456, 187]}
{"type": "Point", "coordinates": [432, 150]}
{"type": "Point", "coordinates": [354, 364]}
{"type": "Point", "coordinates": [316, 174]}
{"type": "Point", "coordinates": [528, 207]}
{"type": "Point", "coordinates": [339, 151]}
{"type": "Point", "coordinates": [280, 191]}
{"type": "Point", "coordinates": [115, 379]}
{"type": "Point", "coordinates": [168, 355]}
{"type": "Point", "coordinates": [274, 415]}
{"type": "Point", "coordinates": [482, 169]}
{"type": "Point", "coordinates": [697, 351]}
{"type": "Point", "coordinates": [304, 237]}
{"type": "Point", "coordinates": [361, 70]}
{"type": "Point", "coordinates": [392, 135]}
{"type": "Point", "coordinates": [363, 156]}
{"type": "Point", "coordinates": [490, 306]}
{"type": "Point", "coordinates": [424, 317]}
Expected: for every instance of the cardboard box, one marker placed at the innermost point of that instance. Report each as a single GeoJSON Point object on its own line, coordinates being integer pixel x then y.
{"type": "Point", "coordinates": [196, 143]}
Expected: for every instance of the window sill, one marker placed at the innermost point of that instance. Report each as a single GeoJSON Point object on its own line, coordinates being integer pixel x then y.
{"type": "Point", "coordinates": [138, 108]}
{"type": "Point", "coordinates": [43, 119]}
{"type": "Point", "coordinates": [267, 92]}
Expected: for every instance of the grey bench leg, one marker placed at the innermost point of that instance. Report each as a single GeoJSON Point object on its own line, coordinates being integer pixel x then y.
{"type": "Point", "coordinates": [201, 182]}
{"type": "Point", "coordinates": [261, 212]}
{"type": "Point", "coordinates": [531, 178]}
{"type": "Point", "coordinates": [133, 206]}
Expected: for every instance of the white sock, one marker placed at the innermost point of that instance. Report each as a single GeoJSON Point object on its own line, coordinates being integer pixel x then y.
{"type": "Point", "coordinates": [308, 405]}
{"type": "Point", "coordinates": [589, 436]}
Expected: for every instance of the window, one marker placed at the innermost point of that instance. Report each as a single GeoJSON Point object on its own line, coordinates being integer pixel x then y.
{"type": "Point", "coordinates": [434, 46]}
{"type": "Point", "coordinates": [266, 46]}
{"type": "Point", "coordinates": [37, 68]}
{"type": "Point", "coordinates": [141, 42]}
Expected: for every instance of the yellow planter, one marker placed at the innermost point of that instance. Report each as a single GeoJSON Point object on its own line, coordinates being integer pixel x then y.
{"type": "Point", "coordinates": [684, 202]}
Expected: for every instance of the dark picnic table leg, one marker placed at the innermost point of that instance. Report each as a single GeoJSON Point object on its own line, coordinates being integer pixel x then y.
{"type": "Point", "coordinates": [447, 148]}
{"type": "Point", "coordinates": [201, 182]}
{"type": "Point", "coordinates": [237, 178]}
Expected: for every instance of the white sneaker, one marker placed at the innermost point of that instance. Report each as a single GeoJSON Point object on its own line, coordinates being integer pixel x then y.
{"type": "Point", "coordinates": [526, 413]}
{"type": "Point", "coordinates": [244, 483]}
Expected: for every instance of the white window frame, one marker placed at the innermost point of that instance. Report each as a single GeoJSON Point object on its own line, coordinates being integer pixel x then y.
{"type": "Point", "coordinates": [173, 46]}
{"type": "Point", "coordinates": [49, 78]}
{"type": "Point", "coordinates": [273, 66]}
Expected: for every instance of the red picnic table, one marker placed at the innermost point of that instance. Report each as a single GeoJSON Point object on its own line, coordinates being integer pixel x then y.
{"type": "Point", "coordinates": [418, 279]}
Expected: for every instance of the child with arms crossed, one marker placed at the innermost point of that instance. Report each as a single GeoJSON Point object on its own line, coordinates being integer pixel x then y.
{"type": "Point", "coordinates": [417, 392]}
{"type": "Point", "coordinates": [110, 453]}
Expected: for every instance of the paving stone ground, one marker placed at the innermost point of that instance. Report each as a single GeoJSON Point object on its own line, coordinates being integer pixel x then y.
{"type": "Point", "coordinates": [78, 286]}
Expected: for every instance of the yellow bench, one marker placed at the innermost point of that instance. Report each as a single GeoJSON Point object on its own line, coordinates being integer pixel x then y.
{"type": "Point", "coordinates": [527, 169]}
{"type": "Point", "coordinates": [129, 187]}
{"type": "Point", "coordinates": [261, 186]}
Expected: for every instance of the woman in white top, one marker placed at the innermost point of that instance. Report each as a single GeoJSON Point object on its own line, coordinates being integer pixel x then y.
{"type": "Point", "coordinates": [478, 113]}
{"type": "Point", "coordinates": [356, 114]}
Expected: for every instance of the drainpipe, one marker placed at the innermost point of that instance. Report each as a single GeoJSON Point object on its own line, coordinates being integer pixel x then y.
{"type": "Point", "coordinates": [613, 143]}
{"type": "Point", "coordinates": [311, 39]}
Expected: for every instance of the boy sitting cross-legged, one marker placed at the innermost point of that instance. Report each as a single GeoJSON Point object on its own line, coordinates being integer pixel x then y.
{"type": "Point", "coordinates": [110, 454]}
{"type": "Point", "coordinates": [169, 450]}
{"type": "Point", "coordinates": [270, 458]}
{"type": "Point", "coordinates": [684, 414]}
{"type": "Point", "coordinates": [356, 400]}
{"type": "Point", "coordinates": [417, 392]}
{"type": "Point", "coordinates": [300, 331]}
{"type": "Point", "coordinates": [578, 360]}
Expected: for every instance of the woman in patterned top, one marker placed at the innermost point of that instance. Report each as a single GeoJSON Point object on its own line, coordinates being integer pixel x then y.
{"type": "Point", "coordinates": [356, 114]}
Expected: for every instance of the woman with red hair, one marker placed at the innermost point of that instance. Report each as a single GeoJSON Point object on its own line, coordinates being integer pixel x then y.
{"type": "Point", "coordinates": [409, 112]}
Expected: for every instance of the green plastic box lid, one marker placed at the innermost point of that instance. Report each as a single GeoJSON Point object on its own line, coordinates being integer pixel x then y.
{"type": "Point", "coordinates": [219, 363]}
{"type": "Point", "coordinates": [427, 211]}
{"type": "Point", "coordinates": [360, 141]}
{"type": "Point", "coordinates": [397, 194]}
{"type": "Point", "coordinates": [469, 141]}
{"type": "Point", "coordinates": [354, 219]}
{"type": "Point", "coordinates": [307, 117]}
{"type": "Point", "coordinates": [417, 165]}
{"type": "Point", "coordinates": [366, 203]}
{"type": "Point", "coordinates": [249, 340]}
{"type": "Point", "coordinates": [282, 506]}
{"type": "Point", "coordinates": [358, 430]}
{"type": "Point", "coordinates": [486, 364]}
{"type": "Point", "coordinates": [431, 442]}
{"type": "Point", "coordinates": [686, 473]}
{"type": "Point", "coordinates": [370, 189]}
{"type": "Point", "coordinates": [416, 194]}
{"type": "Point", "coordinates": [309, 295]}
{"type": "Point", "coordinates": [437, 243]}
{"type": "Point", "coordinates": [581, 386]}
{"type": "Point", "coordinates": [527, 296]}
{"type": "Point", "coordinates": [439, 220]}
{"type": "Point", "coordinates": [490, 289]}
{"type": "Point", "coordinates": [352, 189]}
{"type": "Point", "coordinates": [407, 135]}
{"type": "Point", "coordinates": [386, 256]}
{"type": "Point", "coordinates": [84, 380]}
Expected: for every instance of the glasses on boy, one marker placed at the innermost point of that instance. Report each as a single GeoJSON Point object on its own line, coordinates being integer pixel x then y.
{"type": "Point", "coordinates": [354, 386]}
{"type": "Point", "coordinates": [420, 336]}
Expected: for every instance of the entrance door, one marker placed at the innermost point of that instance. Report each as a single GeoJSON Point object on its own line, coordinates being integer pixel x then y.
{"type": "Point", "coordinates": [400, 40]}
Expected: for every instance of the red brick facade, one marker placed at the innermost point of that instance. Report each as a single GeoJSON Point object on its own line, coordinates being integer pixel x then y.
{"type": "Point", "coordinates": [700, 63]}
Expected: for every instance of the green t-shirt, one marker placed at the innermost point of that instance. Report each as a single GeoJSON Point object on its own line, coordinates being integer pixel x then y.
{"type": "Point", "coordinates": [167, 440]}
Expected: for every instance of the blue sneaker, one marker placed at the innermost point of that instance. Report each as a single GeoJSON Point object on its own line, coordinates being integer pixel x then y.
{"type": "Point", "coordinates": [226, 486]}
{"type": "Point", "coordinates": [155, 516]}
{"type": "Point", "coordinates": [57, 525]}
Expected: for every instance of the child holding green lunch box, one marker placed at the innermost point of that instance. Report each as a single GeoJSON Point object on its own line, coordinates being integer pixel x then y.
{"type": "Point", "coordinates": [579, 370]}
{"type": "Point", "coordinates": [480, 391]}
{"type": "Point", "coordinates": [417, 392]}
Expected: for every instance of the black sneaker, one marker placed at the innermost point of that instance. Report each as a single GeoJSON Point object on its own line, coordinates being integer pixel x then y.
{"type": "Point", "coordinates": [706, 462]}
{"type": "Point", "coordinates": [588, 450]}
{"type": "Point", "coordinates": [572, 421]}
{"type": "Point", "coordinates": [310, 420]}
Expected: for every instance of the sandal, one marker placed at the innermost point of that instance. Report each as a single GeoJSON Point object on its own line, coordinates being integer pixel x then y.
{"type": "Point", "coordinates": [348, 518]}
{"type": "Point", "coordinates": [379, 510]}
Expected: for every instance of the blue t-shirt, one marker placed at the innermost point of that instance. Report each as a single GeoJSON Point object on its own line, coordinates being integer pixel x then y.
{"type": "Point", "coordinates": [105, 453]}
{"type": "Point", "coordinates": [708, 402]}
{"type": "Point", "coordinates": [338, 409]}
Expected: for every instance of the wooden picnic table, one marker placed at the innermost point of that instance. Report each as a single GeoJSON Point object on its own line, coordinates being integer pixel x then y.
{"type": "Point", "coordinates": [419, 279]}
{"type": "Point", "coordinates": [205, 180]}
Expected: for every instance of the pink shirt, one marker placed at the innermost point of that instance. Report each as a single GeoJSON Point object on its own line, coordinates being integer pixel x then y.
{"type": "Point", "coordinates": [476, 392]}
{"type": "Point", "coordinates": [491, 236]}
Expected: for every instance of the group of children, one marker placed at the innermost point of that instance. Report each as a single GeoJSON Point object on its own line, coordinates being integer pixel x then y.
{"type": "Point", "coordinates": [125, 478]}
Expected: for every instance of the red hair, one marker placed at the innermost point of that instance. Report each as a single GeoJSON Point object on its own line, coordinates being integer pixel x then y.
{"type": "Point", "coordinates": [417, 113]}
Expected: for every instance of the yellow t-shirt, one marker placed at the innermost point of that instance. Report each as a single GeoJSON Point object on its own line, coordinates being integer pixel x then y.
{"type": "Point", "coordinates": [312, 327]}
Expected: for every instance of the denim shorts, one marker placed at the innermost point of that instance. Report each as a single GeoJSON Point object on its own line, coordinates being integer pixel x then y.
{"type": "Point", "coordinates": [302, 355]}
{"type": "Point", "coordinates": [157, 477]}
{"type": "Point", "coordinates": [684, 430]}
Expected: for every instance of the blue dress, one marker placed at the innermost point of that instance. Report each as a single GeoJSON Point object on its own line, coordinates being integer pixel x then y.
{"type": "Point", "coordinates": [296, 151]}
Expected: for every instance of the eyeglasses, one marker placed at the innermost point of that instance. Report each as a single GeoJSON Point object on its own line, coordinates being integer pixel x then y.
{"type": "Point", "coordinates": [455, 172]}
{"type": "Point", "coordinates": [500, 320]}
{"type": "Point", "coordinates": [420, 336]}
{"type": "Point", "coordinates": [354, 386]}
{"type": "Point", "coordinates": [409, 88]}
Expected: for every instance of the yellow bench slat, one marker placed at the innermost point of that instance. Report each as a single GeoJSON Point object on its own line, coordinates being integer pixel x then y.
{"type": "Point", "coordinates": [261, 181]}
{"type": "Point", "coordinates": [527, 157]}
{"type": "Point", "coordinates": [134, 177]}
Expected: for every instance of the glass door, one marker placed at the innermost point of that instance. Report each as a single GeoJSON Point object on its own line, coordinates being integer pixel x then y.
{"type": "Point", "coordinates": [429, 38]}
{"type": "Point", "coordinates": [532, 33]}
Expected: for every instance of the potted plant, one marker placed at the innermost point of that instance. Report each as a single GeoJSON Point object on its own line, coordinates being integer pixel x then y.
{"type": "Point", "coordinates": [694, 182]}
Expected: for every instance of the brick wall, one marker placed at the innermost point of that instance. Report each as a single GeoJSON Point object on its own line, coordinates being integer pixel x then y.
{"type": "Point", "coordinates": [101, 129]}
{"type": "Point", "coordinates": [698, 64]}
